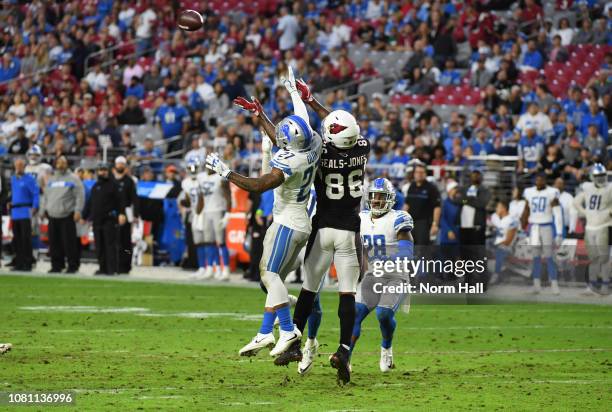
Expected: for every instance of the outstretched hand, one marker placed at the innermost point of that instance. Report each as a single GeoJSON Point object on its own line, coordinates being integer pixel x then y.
{"type": "Point", "coordinates": [254, 106]}
{"type": "Point", "coordinates": [289, 80]}
{"type": "Point", "coordinates": [304, 90]}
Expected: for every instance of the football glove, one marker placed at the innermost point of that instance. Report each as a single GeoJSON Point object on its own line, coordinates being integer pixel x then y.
{"type": "Point", "coordinates": [266, 144]}
{"type": "Point", "coordinates": [289, 81]}
{"type": "Point", "coordinates": [253, 107]}
{"type": "Point", "coordinates": [216, 165]}
{"type": "Point", "coordinates": [304, 90]}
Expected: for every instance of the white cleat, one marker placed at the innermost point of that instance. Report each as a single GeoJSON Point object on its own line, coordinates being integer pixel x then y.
{"type": "Point", "coordinates": [554, 286]}
{"type": "Point", "coordinates": [5, 347]}
{"type": "Point", "coordinates": [309, 353]}
{"type": "Point", "coordinates": [223, 275]}
{"type": "Point", "coordinates": [386, 360]}
{"type": "Point", "coordinates": [285, 340]}
{"type": "Point", "coordinates": [208, 273]}
{"type": "Point", "coordinates": [605, 289]}
{"type": "Point", "coordinates": [537, 286]}
{"type": "Point", "coordinates": [199, 274]}
{"type": "Point", "coordinates": [260, 341]}
{"type": "Point", "coordinates": [588, 291]}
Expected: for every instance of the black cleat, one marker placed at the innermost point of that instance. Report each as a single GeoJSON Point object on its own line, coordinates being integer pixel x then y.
{"type": "Point", "coordinates": [292, 354]}
{"type": "Point", "coordinates": [340, 361]}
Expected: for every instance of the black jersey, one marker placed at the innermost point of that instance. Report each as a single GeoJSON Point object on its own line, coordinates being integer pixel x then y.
{"type": "Point", "coordinates": [339, 186]}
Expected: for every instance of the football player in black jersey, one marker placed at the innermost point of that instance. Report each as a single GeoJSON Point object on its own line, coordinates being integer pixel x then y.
{"type": "Point", "coordinates": [335, 231]}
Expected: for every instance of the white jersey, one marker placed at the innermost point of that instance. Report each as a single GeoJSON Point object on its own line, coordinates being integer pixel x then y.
{"type": "Point", "coordinates": [379, 236]}
{"type": "Point", "coordinates": [597, 204]}
{"type": "Point", "coordinates": [41, 172]}
{"type": "Point", "coordinates": [212, 186]}
{"type": "Point", "coordinates": [503, 226]}
{"type": "Point", "coordinates": [191, 186]}
{"type": "Point", "coordinates": [539, 201]}
{"type": "Point", "coordinates": [516, 208]}
{"type": "Point", "coordinates": [291, 198]}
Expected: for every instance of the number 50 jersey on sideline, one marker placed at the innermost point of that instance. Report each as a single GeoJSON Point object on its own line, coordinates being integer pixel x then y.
{"type": "Point", "coordinates": [291, 198]}
{"type": "Point", "coordinates": [339, 186]}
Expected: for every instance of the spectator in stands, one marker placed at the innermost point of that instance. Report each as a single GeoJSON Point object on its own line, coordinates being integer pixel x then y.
{"type": "Point", "coordinates": [423, 203]}
{"type": "Point", "coordinates": [132, 112]}
{"type": "Point", "coordinates": [480, 76]}
{"type": "Point", "coordinates": [149, 153]}
{"type": "Point", "coordinates": [585, 33]}
{"type": "Point", "coordinates": [530, 150]}
{"type": "Point", "coordinates": [450, 76]}
{"type": "Point", "coordinates": [552, 163]}
{"type": "Point", "coordinates": [62, 203]}
{"type": "Point", "coordinates": [537, 120]}
{"type": "Point", "coordinates": [595, 143]}
{"type": "Point", "coordinates": [288, 28]}
{"type": "Point", "coordinates": [24, 206]}
{"type": "Point", "coordinates": [173, 120]}
{"type": "Point", "coordinates": [532, 58]}
{"type": "Point", "coordinates": [594, 116]}
{"type": "Point", "coordinates": [564, 31]}
{"type": "Point", "coordinates": [10, 67]}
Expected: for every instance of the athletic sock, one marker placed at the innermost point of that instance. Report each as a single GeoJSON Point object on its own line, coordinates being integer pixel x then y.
{"type": "Point", "coordinates": [225, 255]}
{"type": "Point", "coordinates": [346, 313]}
{"type": "Point", "coordinates": [303, 308]}
{"type": "Point", "coordinates": [386, 320]}
{"type": "Point", "coordinates": [201, 253]}
{"type": "Point", "coordinates": [215, 255]}
{"type": "Point", "coordinates": [284, 318]}
{"type": "Point", "coordinates": [361, 311]}
{"type": "Point", "coordinates": [209, 254]}
{"type": "Point", "coordinates": [551, 268]}
{"type": "Point", "coordinates": [267, 324]}
{"type": "Point", "coordinates": [537, 267]}
{"type": "Point", "coordinates": [314, 320]}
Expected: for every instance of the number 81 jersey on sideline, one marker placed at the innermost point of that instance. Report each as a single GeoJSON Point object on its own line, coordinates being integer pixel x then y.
{"type": "Point", "coordinates": [339, 185]}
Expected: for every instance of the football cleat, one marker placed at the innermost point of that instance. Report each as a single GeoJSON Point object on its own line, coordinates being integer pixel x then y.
{"type": "Point", "coordinates": [285, 340]}
{"type": "Point", "coordinates": [537, 287]}
{"type": "Point", "coordinates": [386, 360]}
{"type": "Point", "coordinates": [292, 354]}
{"type": "Point", "coordinates": [311, 350]}
{"type": "Point", "coordinates": [197, 275]}
{"type": "Point", "coordinates": [588, 291]}
{"type": "Point", "coordinates": [222, 275]}
{"type": "Point", "coordinates": [260, 341]}
{"type": "Point", "coordinates": [208, 273]}
{"type": "Point", "coordinates": [340, 361]}
{"type": "Point", "coordinates": [554, 285]}
{"type": "Point", "coordinates": [605, 289]}
{"type": "Point", "coordinates": [5, 347]}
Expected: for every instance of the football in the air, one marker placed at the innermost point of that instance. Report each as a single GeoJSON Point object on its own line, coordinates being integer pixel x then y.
{"type": "Point", "coordinates": [190, 20]}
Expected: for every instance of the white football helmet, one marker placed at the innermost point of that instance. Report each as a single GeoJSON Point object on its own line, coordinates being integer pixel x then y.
{"type": "Point", "coordinates": [381, 196]}
{"type": "Point", "coordinates": [598, 175]}
{"type": "Point", "coordinates": [34, 155]}
{"type": "Point", "coordinates": [341, 129]}
{"type": "Point", "coordinates": [193, 167]}
{"type": "Point", "coordinates": [293, 133]}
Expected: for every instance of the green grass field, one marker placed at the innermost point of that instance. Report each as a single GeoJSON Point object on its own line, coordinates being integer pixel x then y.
{"type": "Point", "coordinates": [150, 346]}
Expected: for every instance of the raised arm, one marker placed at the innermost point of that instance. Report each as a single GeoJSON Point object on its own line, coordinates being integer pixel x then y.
{"type": "Point", "coordinates": [259, 184]}
{"type": "Point", "coordinates": [256, 108]}
{"type": "Point", "coordinates": [299, 107]}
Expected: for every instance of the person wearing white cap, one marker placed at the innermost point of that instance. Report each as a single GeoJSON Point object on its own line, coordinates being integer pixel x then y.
{"type": "Point", "coordinates": [127, 190]}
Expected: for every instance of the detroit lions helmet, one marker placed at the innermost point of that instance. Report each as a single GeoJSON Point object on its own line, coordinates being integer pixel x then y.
{"type": "Point", "coordinates": [293, 133]}
{"type": "Point", "coordinates": [193, 166]}
{"type": "Point", "coordinates": [34, 155]}
{"type": "Point", "coordinates": [598, 175]}
{"type": "Point", "coordinates": [341, 129]}
{"type": "Point", "coordinates": [381, 196]}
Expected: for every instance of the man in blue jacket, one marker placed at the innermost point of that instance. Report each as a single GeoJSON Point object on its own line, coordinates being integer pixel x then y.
{"type": "Point", "coordinates": [24, 205]}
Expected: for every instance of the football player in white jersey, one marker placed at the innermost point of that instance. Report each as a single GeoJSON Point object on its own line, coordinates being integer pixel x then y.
{"type": "Point", "coordinates": [335, 236]}
{"type": "Point", "coordinates": [217, 200]}
{"type": "Point", "coordinates": [293, 168]}
{"type": "Point", "coordinates": [41, 171]}
{"type": "Point", "coordinates": [193, 199]}
{"type": "Point", "coordinates": [595, 203]}
{"type": "Point", "coordinates": [506, 228]}
{"type": "Point", "coordinates": [543, 213]}
{"type": "Point", "coordinates": [385, 234]}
